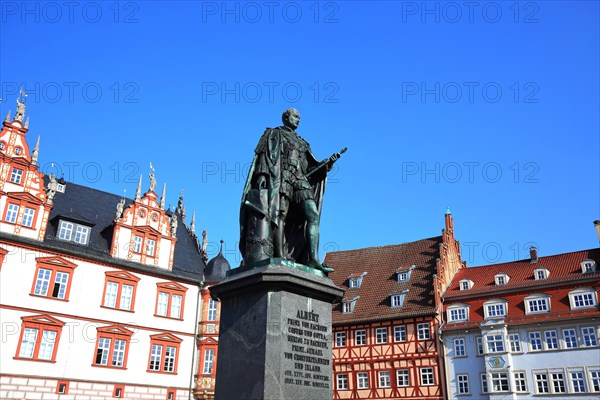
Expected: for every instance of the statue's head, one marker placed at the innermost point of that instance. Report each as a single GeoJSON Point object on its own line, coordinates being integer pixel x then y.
{"type": "Point", "coordinates": [291, 118]}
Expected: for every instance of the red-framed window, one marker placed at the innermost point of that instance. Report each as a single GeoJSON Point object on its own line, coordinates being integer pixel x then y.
{"type": "Point", "coordinates": [119, 392]}
{"type": "Point", "coordinates": [21, 209]}
{"type": "Point", "coordinates": [39, 338]}
{"type": "Point", "coordinates": [62, 387]}
{"type": "Point", "coordinates": [112, 347]}
{"type": "Point", "coordinates": [145, 241]}
{"type": "Point", "coordinates": [170, 299]}
{"type": "Point", "coordinates": [209, 360]}
{"type": "Point", "coordinates": [53, 278]}
{"type": "Point", "coordinates": [119, 290]}
{"type": "Point", "coordinates": [164, 353]}
{"type": "Point", "coordinates": [171, 394]}
{"type": "Point", "coordinates": [17, 175]}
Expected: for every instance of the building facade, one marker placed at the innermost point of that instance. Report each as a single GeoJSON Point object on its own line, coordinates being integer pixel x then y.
{"type": "Point", "coordinates": [525, 329]}
{"type": "Point", "coordinates": [99, 295]}
{"type": "Point", "coordinates": [385, 331]}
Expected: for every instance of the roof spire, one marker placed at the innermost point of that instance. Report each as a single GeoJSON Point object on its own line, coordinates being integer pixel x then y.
{"type": "Point", "coordinates": [7, 119]}
{"type": "Point", "coordinates": [448, 211]}
{"type": "Point", "coordinates": [163, 196]}
{"type": "Point", "coordinates": [27, 123]}
{"type": "Point", "coordinates": [193, 223]}
{"type": "Point", "coordinates": [36, 150]}
{"type": "Point", "coordinates": [180, 207]}
{"type": "Point", "coordinates": [221, 249]}
{"type": "Point", "coordinates": [204, 245]}
{"type": "Point", "coordinates": [138, 192]}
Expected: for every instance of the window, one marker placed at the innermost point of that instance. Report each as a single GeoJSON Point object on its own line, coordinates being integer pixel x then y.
{"type": "Point", "coordinates": [112, 347]}
{"type": "Point", "coordinates": [384, 379]}
{"type": "Point", "coordinates": [170, 299]}
{"type": "Point", "coordinates": [28, 215]}
{"type": "Point", "coordinates": [119, 290]}
{"type": "Point", "coordinates": [397, 299]}
{"type": "Point", "coordinates": [73, 232]}
{"type": "Point", "coordinates": [535, 341]}
{"type": "Point", "coordinates": [212, 310]}
{"type": "Point", "coordinates": [588, 266]}
{"type": "Point", "coordinates": [119, 391]}
{"type": "Point", "coordinates": [360, 337]}
{"type": "Point", "coordinates": [354, 282]}
{"type": "Point", "coordinates": [423, 331]}
{"type": "Point", "coordinates": [558, 382]}
{"type": "Point", "coordinates": [427, 376]}
{"type": "Point", "coordinates": [582, 298]}
{"type": "Point", "coordinates": [404, 275]}
{"type": "Point", "coordinates": [150, 245]}
{"type": "Point", "coordinates": [465, 284]}
{"type": "Point", "coordinates": [595, 380]}
{"type": "Point", "coordinates": [577, 381]}
{"type": "Point", "coordinates": [39, 338]}
{"type": "Point", "coordinates": [171, 394]}
{"type": "Point", "coordinates": [400, 333]}
{"type": "Point", "coordinates": [348, 305]}
{"type": "Point", "coordinates": [536, 304]}
{"type": "Point", "coordinates": [540, 274]}
{"type": "Point", "coordinates": [209, 356]}
{"type": "Point", "coordinates": [495, 309]}
{"type": "Point", "coordinates": [520, 381]}
{"type": "Point", "coordinates": [484, 383]}
{"type": "Point", "coordinates": [570, 338]}
{"type": "Point", "coordinates": [541, 382]}
{"type": "Point", "coordinates": [479, 340]}
{"type": "Point", "coordinates": [381, 335]}
{"type": "Point", "coordinates": [402, 377]}
{"type": "Point", "coordinates": [515, 342]}
{"type": "Point", "coordinates": [342, 381]}
{"type": "Point", "coordinates": [588, 334]}
{"type": "Point", "coordinates": [143, 242]}
{"type": "Point", "coordinates": [53, 277]}
{"type": "Point", "coordinates": [551, 340]}
{"type": "Point", "coordinates": [362, 380]}
{"type": "Point", "coordinates": [495, 344]}
{"type": "Point", "coordinates": [62, 387]}
{"type": "Point", "coordinates": [11, 213]}
{"type": "Point", "coordinates": [16, 176]}
{"type": "Point", "coordinates": [164, 352]}
{"type": "Point", "coordinates": [501, 279]}
{"type": "Point", "coordinates": [457, 313]}
{"type": "Point", "coordinates": [462, 383]}
{"type": "Point", "coordinates": [499, 381]}
{"type": "Point", "coordinates": [340, 339]}
{"type": "Point", "coordinates": [459, 347]}
{"type": "Point", "coordinates": [137, 244]}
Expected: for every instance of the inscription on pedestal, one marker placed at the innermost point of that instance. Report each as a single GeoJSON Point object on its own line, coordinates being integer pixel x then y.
{"type": "Point", "coordinates": [307, 343]}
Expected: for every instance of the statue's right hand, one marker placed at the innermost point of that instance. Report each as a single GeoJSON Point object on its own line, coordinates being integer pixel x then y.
{"type": "Point", "coordinates": [261, 181]}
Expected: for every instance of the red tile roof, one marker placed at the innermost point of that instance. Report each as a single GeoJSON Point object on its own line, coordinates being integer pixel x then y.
{"type": "Point", "coordinates": [381, 264]}
{"type": "Point", "coordinates": [563, 268]}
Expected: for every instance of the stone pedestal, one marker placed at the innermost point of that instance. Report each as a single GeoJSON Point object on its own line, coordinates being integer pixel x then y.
{"type": "Point", "coordinates": [275, 334]}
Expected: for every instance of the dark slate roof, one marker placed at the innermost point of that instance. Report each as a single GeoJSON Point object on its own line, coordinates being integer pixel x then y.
{"type": "Point", "coordinates": [381, 264]}
{"type": "Point", "coordinates": [97, 208]}
{"type": "Point", "coordinates": [216, 269]}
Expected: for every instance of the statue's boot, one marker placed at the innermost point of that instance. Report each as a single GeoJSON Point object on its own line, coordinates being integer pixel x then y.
{"type": "Point", "coordinates": [313, 244]}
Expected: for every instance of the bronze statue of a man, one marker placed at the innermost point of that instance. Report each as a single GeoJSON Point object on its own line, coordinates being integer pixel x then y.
{"type": "Point", "coordinates": [281, 204]}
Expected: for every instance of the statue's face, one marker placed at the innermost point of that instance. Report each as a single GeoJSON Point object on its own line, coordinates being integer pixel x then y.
{"type": "Point", "coordinates": [293, 119]}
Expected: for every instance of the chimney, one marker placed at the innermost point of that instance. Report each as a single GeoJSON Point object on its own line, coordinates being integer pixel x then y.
{"type": "Point", "coordinates": [597, 225]}
{"type": "Point", "coordinates": [533, 254]}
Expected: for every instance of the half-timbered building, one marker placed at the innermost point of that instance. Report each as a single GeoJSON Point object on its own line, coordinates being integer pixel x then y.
{"type": "Point", "coordinates": [525, 329]}
{"type": "Point", "coordinates": [99, 294]}
{"type": "Point", "coordinates": [385, 339]}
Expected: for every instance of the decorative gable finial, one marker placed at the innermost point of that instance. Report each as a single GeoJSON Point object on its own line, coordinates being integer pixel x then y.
{"type": "Point", "coordinates": [180, 206]}
{"type": "Point", "coordinates": [120, 208]}
{"type": "Point", "coordinates": [152, 179]}
{"type": "Point", "coordinates": [193, 223]}
{"type": "Point", "coordinates": [20, 114]}
{"type": "Point", "coordinates": [138, 192]}
{"type": "Point", "coordinates": [204, 245]}
{"type": "Point", "coordinates": [163, 196]}
{"type": "Point", "coordinates": [174, 223]}
{"type": "Point", "coordinates": [7, 119]}
{"type": "Point", "coordinates": [36, 150]}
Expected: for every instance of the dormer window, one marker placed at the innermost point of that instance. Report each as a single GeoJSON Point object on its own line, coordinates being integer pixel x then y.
{"type": "Point", "coordinates": [348, 305]}
{"type": "Point", "coordinates": [60, 187]}
{"type": "Point", "coordinates": [582, 298]}
{"type": "Point", "coordinates": [458, 312]}
{"type": "Point", "coordinates": [495, 308]}
{"type": "Point", "coordinates": [588, 266]}
{"type": "Point", "coordinates": [537, 304]}
{"type": "Point", "coordinates": [540, 274]}
{"type": "Point", "coordinates": [397, 299]}
{"type": "Point", "coordinates": [501, 279]}
{"type": "Point", "coordinates": [354, 281]}
{"type": "Point", "coordinates": [465, 284]}
{"type": "Point", "coordinates": [73, 232]}
{"type": "Point", "coordinates": [404, 275]}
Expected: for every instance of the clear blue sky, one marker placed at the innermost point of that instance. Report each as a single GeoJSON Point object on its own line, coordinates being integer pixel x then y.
{"type": "Point", "coordinates": [491, 109]}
